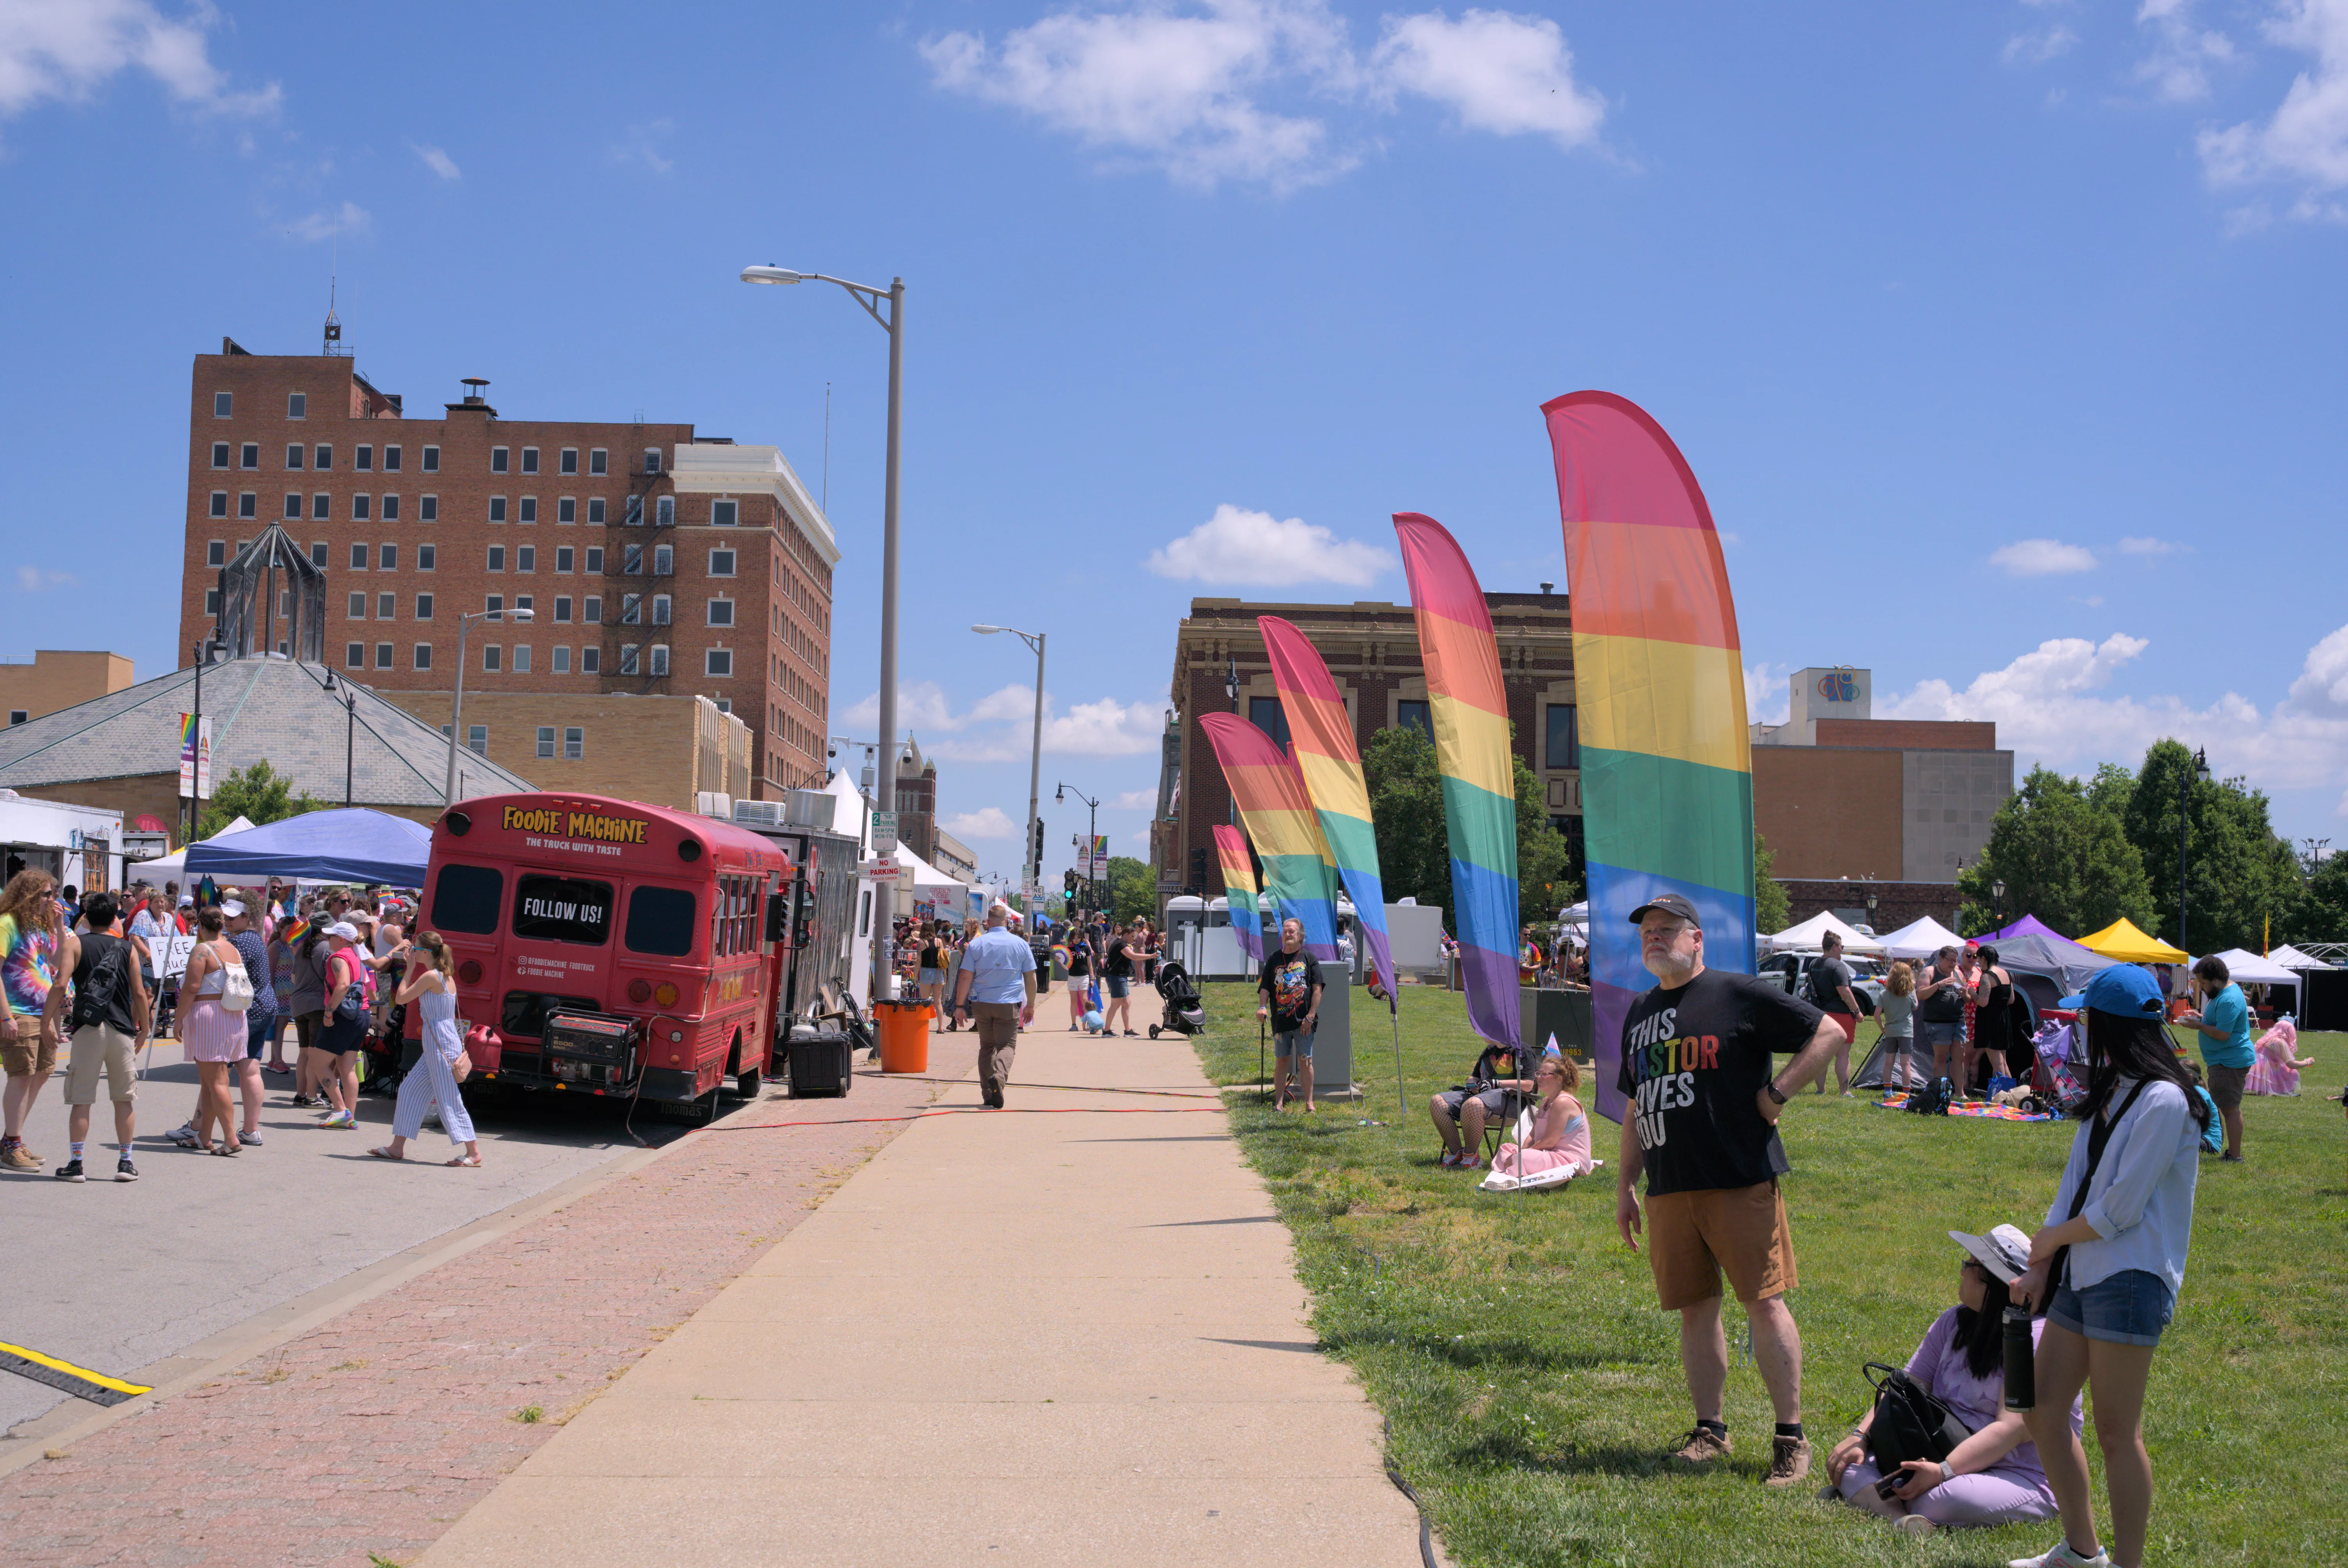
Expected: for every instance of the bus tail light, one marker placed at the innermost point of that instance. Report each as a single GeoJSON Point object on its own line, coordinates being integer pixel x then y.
{"type": "Point", "coordinates": [665, 993]}
{"type": "Point", "coordinates": [468, 972]}
{"type": "Point", "coordinates": [640, 992]}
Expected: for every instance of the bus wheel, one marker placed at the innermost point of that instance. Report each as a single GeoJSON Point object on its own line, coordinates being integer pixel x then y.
{"type": "Point", "coordinates": [745, 1084]}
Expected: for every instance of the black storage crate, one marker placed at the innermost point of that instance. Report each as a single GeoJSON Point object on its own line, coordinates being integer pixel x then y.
{"type": "Point", "coordinates": [818, 1063]}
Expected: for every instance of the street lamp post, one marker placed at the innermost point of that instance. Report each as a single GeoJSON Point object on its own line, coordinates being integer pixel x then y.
{"type": "Point", "coordinates": [457, 705]}
{"type": "Point", "coordinates": [2198, 769]}
{"type": "Point", "coordinates": [203, 653]}
{"type": "Point", "coordinates": [350, 700]}
{"type": "Point", "coordinates": [1034, 856]}
{"type": "Point", "coordinates": [893, 323]}
{"type": "Point", "coordinates": [1092, 829]}
{"type": "Point", "coordinates": [1997, 901]}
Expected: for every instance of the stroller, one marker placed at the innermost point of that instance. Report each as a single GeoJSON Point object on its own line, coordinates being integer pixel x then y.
{"type": "Point", "coordinates": [1184, 1013]}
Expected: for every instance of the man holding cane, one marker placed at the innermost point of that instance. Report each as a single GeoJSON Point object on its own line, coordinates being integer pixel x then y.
{"type": "Point", "coordinates": [1697, 1057]}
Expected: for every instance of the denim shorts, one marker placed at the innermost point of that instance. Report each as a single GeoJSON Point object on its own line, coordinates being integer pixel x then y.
{"type": "Point", "coordinates": [2130, 1307]}
{"type": "Point", "coordinates": [1934, 1032]}
{"type": "Point", "coordinates": [1120, 985]}
{"type": "Point", "coordinates": [1286, 1043]}
{"type": "Point", "coordinates": [260, 1028]}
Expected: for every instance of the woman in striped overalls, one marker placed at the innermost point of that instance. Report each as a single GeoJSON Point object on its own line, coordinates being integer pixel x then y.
{"type": "Point", "coordinates": [431, 1080]}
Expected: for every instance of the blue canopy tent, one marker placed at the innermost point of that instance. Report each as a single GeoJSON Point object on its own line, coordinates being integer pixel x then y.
{"type": "Point", "coordinates": [348, 846]}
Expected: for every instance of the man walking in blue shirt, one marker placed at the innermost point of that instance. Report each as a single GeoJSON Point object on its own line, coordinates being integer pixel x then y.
{"type": "Point", "coordinates": [2224, 1025]}
{"type": "Point", "coordinates": [997, 982]}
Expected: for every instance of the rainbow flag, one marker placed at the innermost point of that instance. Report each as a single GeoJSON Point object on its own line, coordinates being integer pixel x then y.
{"type": "Point", "coordinates": [1666, 759]}
{"type": "Point", "coordinates": [1239, 891]}
{"type": "Point", "coordinates": [1321, 733]}
{"type": "Point", "coordinates": [294, 933]}
{"type": "Point", "coordinates": [1273, 810]}
{"type": "Point", "coordinates": [1470, 712]}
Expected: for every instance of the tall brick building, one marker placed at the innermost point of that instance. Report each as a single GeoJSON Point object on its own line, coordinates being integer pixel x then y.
{"type": "Point", "coordinates": [1371, 651]}
{"type": "Point", "coordinates": [655, 563]}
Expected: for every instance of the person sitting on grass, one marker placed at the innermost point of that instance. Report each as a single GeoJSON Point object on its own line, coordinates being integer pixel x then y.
{"type": "Point", "coordinates": [1560, 1138]}
{"type": "Point", "coordinates": [1994, 1476]}
{"type": "Point", "coordinates": [1461, 1111]}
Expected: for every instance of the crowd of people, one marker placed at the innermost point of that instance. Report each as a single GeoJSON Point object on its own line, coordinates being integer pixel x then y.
{"type": "Point", "coordinates": [1103, 959]}
{"type": "Point", "coordinates": [226, 974]}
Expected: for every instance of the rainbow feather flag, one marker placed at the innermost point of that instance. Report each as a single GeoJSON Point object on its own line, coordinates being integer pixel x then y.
{"type": "Point", "coordinates": [1240, 890]}
{"type": "Point", "coordinates": [1321, 733]}
{"type": "Point", "coordinates": [1469, 708]}
{"type": "Point", "coordinates": [294, 933]}
{"type": "Point", "coordinates": [1666, 759]}
{"type": "Point", "coordinates": [1273, 810]}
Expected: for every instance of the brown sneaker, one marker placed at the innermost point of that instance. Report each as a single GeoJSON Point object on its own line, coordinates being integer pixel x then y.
{"type": "Point", "coordinates": [1790, 1461]}
{"type": "Point", "coordinates": [16, 1157]}
{"type": "Point", "coordinates": [1704, 1446]}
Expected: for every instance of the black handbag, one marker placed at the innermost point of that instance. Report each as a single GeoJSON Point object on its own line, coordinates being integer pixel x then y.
{"type": "Point", "coordinates": [1908, 1424]}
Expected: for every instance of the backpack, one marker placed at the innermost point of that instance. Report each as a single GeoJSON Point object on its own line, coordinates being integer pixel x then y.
{"type": "Point", "coordinates": [1908, 1424]}
{"type": "Point", "coordinates": [352, 1007]}
{"type": "Point", "coordinates": [236, 983]}
{"type": "Point", "coordinates": [94, 1001]}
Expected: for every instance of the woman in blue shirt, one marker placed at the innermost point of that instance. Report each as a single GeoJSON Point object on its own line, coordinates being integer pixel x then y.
{"type": "Point", "coordinates": [2108, 1263]}
{"type": "Point", "coordinates": [2224, 1025]}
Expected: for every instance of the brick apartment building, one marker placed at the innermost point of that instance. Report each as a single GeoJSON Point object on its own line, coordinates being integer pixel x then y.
{"type": "Point", "coordinates": [655, 563]}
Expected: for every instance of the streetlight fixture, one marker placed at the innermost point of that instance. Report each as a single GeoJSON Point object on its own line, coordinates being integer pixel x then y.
{"type": "Point", "coordinates": [1997, 900]}
{"type": "Point", "coordinates": [348, 696]}
{"type": "Point", "coordinates": [457, 705]}
{"type": "Point", "coordinates": [893, 323]}
{"type": "Point", "coordinates": [2198, 770]}
{"type": "Point", "coordinates": [1034, 856]}
{"type": "Point", "coordinates": [1091, 835]}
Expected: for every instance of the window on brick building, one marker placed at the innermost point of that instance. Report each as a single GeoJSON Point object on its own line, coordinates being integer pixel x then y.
{"type": "Point", "coordinates": [219, 503]}
{"type": "Point", "coordinates": [574, 743]}
{"type": "Point", "coordinates": [424, 554]}
{"type": "Point", "coordinates": [354, 655]}
{"type": "Point", "coordinates": [530, 509]}
{"type": "Point", "coordinates": [383, 655]}
{"type": "Point", "coordinates": [386, 608]}
{"type": "Point", "coordinates": [1413, 714]}
{"type": "Point", "coordinates": [632, 609]}
{"type": "Point", "coordinates": [590, 660]}
{"type": "Point", "coordinates": [530, 459]}
{"type": "Point", "coordinates": [477, 739]}
{"type": "Point", "coordinates": [494, 604]}
{"type": "Point", "coordinates": [595, 560]}
{"type": "Point", "coordinates": [721, 563]}
{"type": "Point", "coordinates": [591, 609]}
{"type": "Point", "coordinates": [724, 513]}
{"type": "Point", "coordinates": [564, 557]}
{"type": "Point", "coordinates": [652, 459]}
{"type": "Point", "coordinates": [721, 612]}
{"type": "Point", "coordinates": [663, 560]}
{"type": "Point", "coordinates": [294, 454]}
{"type": "Point", "coordinates": [569, 460]}
{"type": "Point", "coordinates": [297, 405]}
{"type": "Point", "coordinates": [323, 457]}
{"type": "Point", "coordinates": [358, 557]}
{"type": "Point", "coordinates": [562, 608]}
{"type": "Point", "coordinates": [1565, 747]}
{"type": "Point", "coordinates": [634, 515]}
{"type": "Point", "coordinates": [423, 655]}
{"type": "Point", "coordinates": [665, 511]}
{"type": "Point", "coordinates": [319, 554]}
{"type": "Point", "coordinates": [431, 459]}
{"type": "Point", "coordinates": [357, 609]}
{"type": "Point", "coordinates": [594, 509]}
{"type": "Point", "coordinates": [632, 561]}
{"type": "Point", "coordinates": [660, 609]}
{"type": "Point", "coordinates": [391, 509]}
{"type": "Point", "coordinates": [659, 653]}
{"type": "Point", "coordinates": [249, 456]}
{"type": "Point", "coordinates": [1264, 713]}
{"type": "Point", "coordinates": [496, 509]}
{"type": "Point", "coordinates": [223, 406]}
{"type": "Point", "coordinates": [386, 556]}
{"type": "Point", "coordinates": [363, 459]}
{"type": "Point", "coordinates": [493, 657]}
{"type": "Point", "coordinates": [424, 607]}
{"type": "Point", "coordinates": [391, 459]}
{"type": "Point", "coordinates": [522, 603]}
{"type": "Point", "coordinates": [321, 506]}
{"type": "Point", "coordinates": [216, 552]}
{"type": "Point", "coordinates": [627, 659]}
{"type": "Point", "coordinates": [567, 510]}
{"type": "Point", "coordinates": [599, 461]}
{"type": "Point", "coordinates": [521, 658]}
{"type": "Point", "coordinates": [546, 740]}
{"type": "Point", "coordinates": [498, 460]}
{"type": "Point", "coordinates": [211, 600]}
{"type": "Point", "coordinates": [427, 509]}
{"type": "Point", "coordinates": [220, 454]}
{"type": "Point", "coordinates": [248, 505]}
{"type": "Point", "coordinates": [561, 665]}
{"type": "Point", "coordinates": [359, 507]}
{"type": "Point", "coordinates": [293, 504]}
{"type": "Point", "coordinates": [718, 662]}
{"type": "Point", "coordinates": [497, 558]}
{"type": "Point", "coordinates": [526, 557]}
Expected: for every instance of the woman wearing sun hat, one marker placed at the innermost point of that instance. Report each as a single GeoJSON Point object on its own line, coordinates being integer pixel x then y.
{"type": "Point", "coordinates": [2108, 1265]}
{"type": "Point", "coordinates": [1994, 1476]}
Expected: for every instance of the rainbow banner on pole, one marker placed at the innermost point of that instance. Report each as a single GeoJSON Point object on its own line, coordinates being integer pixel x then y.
{"type": "Point", "coordinates": [1239, 891]}
{"type": "Point", "coordinates": [1321, 734]}
{"type": "Point", "coordinates": [1666, 759]}
{"type": "Point", "coordinates": [1278, 820]}
{"type": "Point", "coordinates": [1469, 708]}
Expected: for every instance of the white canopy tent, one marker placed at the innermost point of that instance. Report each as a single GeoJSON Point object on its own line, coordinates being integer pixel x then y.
{"type": "Point", "coordinates": [933, 885]}
{"type": "Point", "coordinates": [2291, 957]}
{"type": "Point", "coordinates": [1810, 933]}
{"type": "Point", "coordinates": [2248, 968]}
{"type": "Point", "coordinates": [173, 866]}
{"type": "Point", "coordinates": [1919, 939]}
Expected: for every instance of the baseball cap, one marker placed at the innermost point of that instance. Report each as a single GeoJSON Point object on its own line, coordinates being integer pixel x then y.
{"type": "Point", "coordinates": [2124, 991]}
{"type": "Point", "coordinates": [2004, 1252]}
{"type": "Point", "coordinates": [344, 929]}
{"type": "Point", "coordinates": [1669, 904]}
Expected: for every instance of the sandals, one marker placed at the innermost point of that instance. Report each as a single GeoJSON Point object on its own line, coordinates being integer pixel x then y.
{"type": "Point", "coordinates": [384, 1153]}
{"type": "Point", "coordinates": [228, 1150]}
{"type": "Point", "coordinates": [467, 1159]}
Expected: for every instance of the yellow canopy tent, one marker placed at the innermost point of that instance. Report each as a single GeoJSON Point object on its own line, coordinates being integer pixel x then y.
{"type": "Point", "coordinates": [2122, 940]}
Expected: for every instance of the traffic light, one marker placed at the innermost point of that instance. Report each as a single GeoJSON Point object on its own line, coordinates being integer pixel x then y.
{"type": "Point", "coordinates": [1036, 846]}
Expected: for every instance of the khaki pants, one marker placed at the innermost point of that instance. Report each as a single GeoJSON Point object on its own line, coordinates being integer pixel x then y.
{"type": "Point", "coordinates": [998, 1043]}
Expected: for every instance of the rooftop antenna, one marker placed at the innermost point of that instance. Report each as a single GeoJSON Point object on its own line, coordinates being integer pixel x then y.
{"type": "Point", "coordinates": [334, 327]}
{"type": "Point", "coordinates": [827, 450]}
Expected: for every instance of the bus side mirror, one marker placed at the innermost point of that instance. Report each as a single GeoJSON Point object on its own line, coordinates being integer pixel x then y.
{"type": "Point", "coordinates": [778, 923]}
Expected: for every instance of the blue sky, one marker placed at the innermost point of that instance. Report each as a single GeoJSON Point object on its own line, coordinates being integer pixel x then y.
{"type": "Point", "coordinates": [2005, 338]}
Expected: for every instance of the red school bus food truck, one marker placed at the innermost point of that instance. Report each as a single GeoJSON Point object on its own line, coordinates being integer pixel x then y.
{"type": "Point", "coordinates": [611, 947]}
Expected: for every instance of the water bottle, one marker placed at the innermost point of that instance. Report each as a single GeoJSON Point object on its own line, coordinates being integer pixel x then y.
{"type": "Point", "coordinates": [2021, 1361]}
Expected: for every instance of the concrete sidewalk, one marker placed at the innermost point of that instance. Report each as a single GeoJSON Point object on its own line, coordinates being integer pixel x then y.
{"type": "Point", "coordinates": [1010, 1338]}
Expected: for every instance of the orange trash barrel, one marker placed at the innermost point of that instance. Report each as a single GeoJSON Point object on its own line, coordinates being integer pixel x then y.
{"type": "Point", "coordinates": [904, 1030]}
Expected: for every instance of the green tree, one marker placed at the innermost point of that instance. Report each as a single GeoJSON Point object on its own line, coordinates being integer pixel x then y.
{"type": "Point", "coordinates": [1771, 909]}
{"type": "Point", "coordinates": [2064, 855]}
{"type": "Point", "coordinates": [2239, 873]}
{"type": "Point", "coordinates": [2321, 913]}
{"type": "Point", "coordinates": [1132, 888]}
{"type": "Point", "coordinates": [1546, 879]}
{"type": "Point", "coordinates": [259, 793]}
{"type": "Point", "coordinates": [1406, 815]}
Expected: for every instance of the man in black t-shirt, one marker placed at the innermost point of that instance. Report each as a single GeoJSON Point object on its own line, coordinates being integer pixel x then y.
{"type": "Point", "coordinates": [103, 1044]}
{"type": "Point", "coordinates": [1290, 984]}
{"type": "Point", "coordinates": [1697, 1058]}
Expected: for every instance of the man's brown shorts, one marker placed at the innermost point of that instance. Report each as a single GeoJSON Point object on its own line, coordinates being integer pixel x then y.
{"type": "Point", "coordinates": [1694, 1237]}
{"type": "Point", "coordinates": [29, 1052]}
{"type": "Point", "coordinates": [2224, 1087]}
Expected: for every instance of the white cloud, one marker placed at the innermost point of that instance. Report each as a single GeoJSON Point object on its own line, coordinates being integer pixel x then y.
{"type": "Point", "coordinates": [1136, 800]}
{"type": "Point", "coordinates": [2305, 143]}
{"type": "Point", "coordinates": [988, 822]}
{"type": "Point", "coordinates": [1104, 728]}
{"type": "Point", "coordinates": [1769, 698]}
{"type": "Point", "coordinates": [37, 579]}
{"type": "Point", "coordinates": [1209, 90]}
{"type": "Point", "coordinates": [67, 50]}
{"type": "Point", "coordinates": [2041, 558]}
{"type": "Point", "coordinates": [639, 146]}
{"type": "Point", "coordinates": [2038, 48]}
{"type": "Point", "coordinates": [436, 160]}
{"type": "Point", "coordinates": [2051, 706]}
{"type": "Point", "coordinates": [2178, 70]}
{"type": "Point", "coordinates": [1001, 725]}
{"type": "Point", "coordinates": [328, 224]}
{"type": "Point", "coordinates": [1506, 74]}
{"type": "Point", "coordinates": [1255, 549]}
{"type": "Point", "coordinates": [2142, 546]}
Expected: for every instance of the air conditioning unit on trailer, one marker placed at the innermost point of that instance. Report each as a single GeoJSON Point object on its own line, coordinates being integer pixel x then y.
{"type": "Point", "coordinates": [759, 813]}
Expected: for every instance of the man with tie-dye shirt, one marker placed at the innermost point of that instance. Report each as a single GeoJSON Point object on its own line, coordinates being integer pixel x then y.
{"type": "Point", "coordinates": [29, 955]}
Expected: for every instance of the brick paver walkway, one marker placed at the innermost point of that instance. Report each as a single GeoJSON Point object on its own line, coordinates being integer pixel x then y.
{"type": "Point", "coordinates": [371, 1434]}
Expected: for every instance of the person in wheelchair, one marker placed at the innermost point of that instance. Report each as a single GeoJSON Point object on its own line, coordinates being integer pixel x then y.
{"type": "Point", "coordinates": [1994, 1476]}
{"type": "Point", "coordinates": [1461, 1111]}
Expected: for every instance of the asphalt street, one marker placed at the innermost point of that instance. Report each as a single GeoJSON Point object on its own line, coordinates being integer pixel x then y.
{"type": "Point", "coordinates": [114, 1276]}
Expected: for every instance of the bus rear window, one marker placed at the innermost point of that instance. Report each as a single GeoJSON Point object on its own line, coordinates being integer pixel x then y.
{"type": "Point", "coordinates": [563, 909]}
{"type": "Point", "coordinates": [660, 922]}
{"type": "Point", "coordinates": [466, 899]}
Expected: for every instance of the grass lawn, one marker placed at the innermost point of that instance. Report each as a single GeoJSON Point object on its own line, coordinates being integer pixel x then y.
{"type": "Point", "coordinates": [1531, 1382]}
